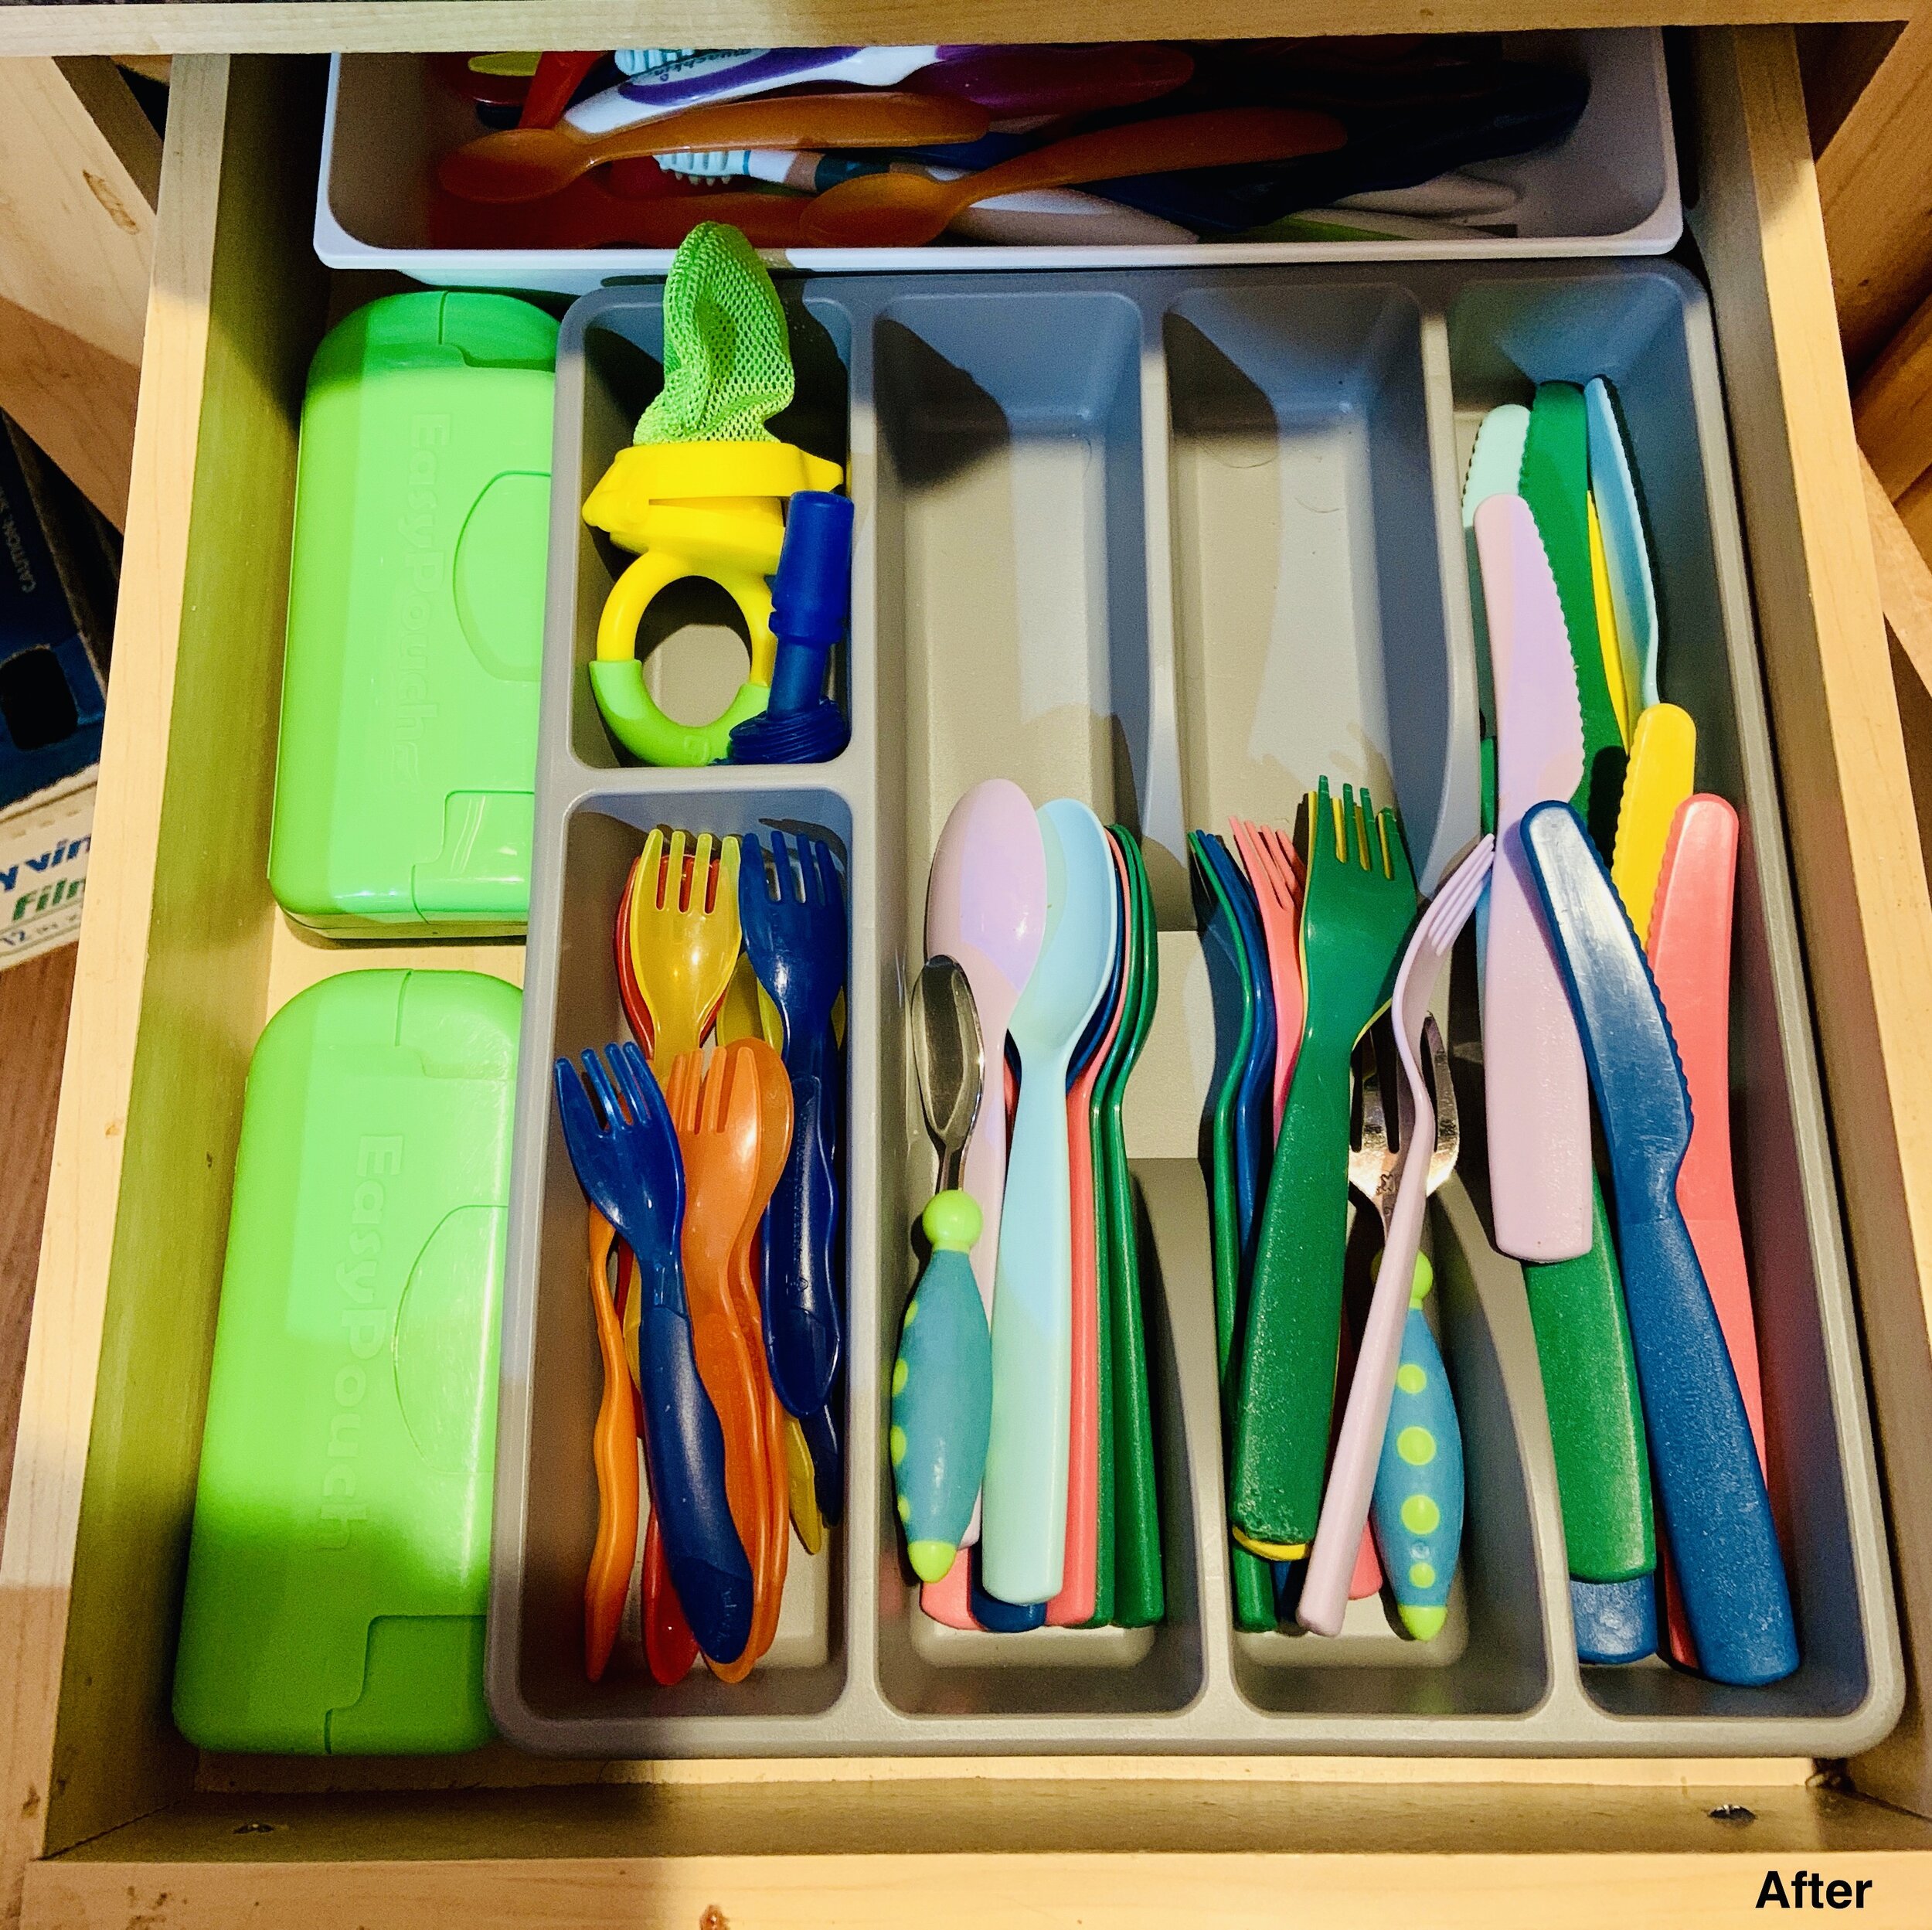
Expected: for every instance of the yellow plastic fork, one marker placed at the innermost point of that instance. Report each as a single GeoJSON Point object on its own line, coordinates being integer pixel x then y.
{"type": "Point", "coordinates": [685, 939]}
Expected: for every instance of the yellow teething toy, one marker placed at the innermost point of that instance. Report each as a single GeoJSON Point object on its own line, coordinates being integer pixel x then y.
{"type": "Point", "coordinates": [710, 509]}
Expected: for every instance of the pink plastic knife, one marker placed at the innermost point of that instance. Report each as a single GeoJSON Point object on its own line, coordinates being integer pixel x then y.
{"type": "Point", "coordinates": [1538, 1091]}
{"type": "Point", "coordinates": [1690, 959]}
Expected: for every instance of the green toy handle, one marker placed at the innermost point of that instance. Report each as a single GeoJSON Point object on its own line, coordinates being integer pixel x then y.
{"type": "Point", "coordinates": [1596, 1415]}
{"type": "Point", "coordinates": [1287, 1364]}
{"type": "Point", "coordinates": [644, 730]}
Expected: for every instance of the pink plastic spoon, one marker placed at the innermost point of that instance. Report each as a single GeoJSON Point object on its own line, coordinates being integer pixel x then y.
{"type": "Point", "coordinates": [986, 906]}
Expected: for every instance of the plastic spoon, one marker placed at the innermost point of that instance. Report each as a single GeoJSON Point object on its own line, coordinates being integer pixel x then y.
{"type": "Point", "coordinates": [986, 906]}
{"type": "Point", "coordinates": [1087, 1444]}
{"type": "Point", "coordinates": [525, 164]}
{"type": "Point", "coordinates": [1024, 1533]}
{"type": "Point", "coordinates": [899, 210]}
{"type": "Point", "coordinates": [1139, 1597]}
{"type": "Point", "coordinates": [942, 1387]}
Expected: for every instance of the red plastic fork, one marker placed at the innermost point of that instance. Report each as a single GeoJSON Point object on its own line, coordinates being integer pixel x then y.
{"type": "Point", "coordinates": [1275, 870]}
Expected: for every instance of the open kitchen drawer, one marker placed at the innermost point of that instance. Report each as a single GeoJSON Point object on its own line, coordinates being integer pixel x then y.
{"type": "Point", "coordinates": [107, 1816]}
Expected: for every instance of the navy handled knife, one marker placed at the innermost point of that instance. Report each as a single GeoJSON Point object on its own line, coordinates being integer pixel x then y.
{"type": "Point", "coordinates": [1716, 1514]}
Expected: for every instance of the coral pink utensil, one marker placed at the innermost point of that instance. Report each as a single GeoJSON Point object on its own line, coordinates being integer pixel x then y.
{"type": "Point", "coordinates": [1537, 1089]}
{"type": "Point", "coordinates": [1275, 869]}
{"type": "Point", "coordinates": [1690, 959]}
{"type": "Point", "coordinates": [986, 906]}
{"type": "Point", "coordinates": [1074, 1606]}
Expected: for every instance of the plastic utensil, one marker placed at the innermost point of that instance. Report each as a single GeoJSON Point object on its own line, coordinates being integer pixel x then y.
{"type": "Point", "coordinates": [796, 942]}
{"type": "Point", "coordinates": [1555, 484]}
{"type": "Point", "coordinates": [625, 1155]}
{"type": "Point", "coordinates": [592, 212]}
{"type": "Point", "coordinates": [1663, 774]}
{"type": "Point", "coordinates": [1235, 999]}
{"type": "Point", "coordinates": [1089, 1419]}
{"type": "Point", "coordinates": [1253, 1095]}
{"type": "Point", "coordinates": [1690, 959]}
{"type": "Point", "coordinates": [614, 1457]}
{"type": "Point", "coordinates": [1717, 1516]}
{"type": "Point", "coordinates": [821, 1432]}
{"type": "Point", "coordinates": [558, 76]}
{"type": "Point", "coordinates": [986, 906]}
{"type": "Point", "coordinates": [1344, 1504]}
{"type": "Point", "coordinates": [811, 600]}
{"type": "Point", "coordinates": [684, 935]}
{"type": "Point", "coordinates": [1417, 1507]}
{"type": "Point", "coordinates": [1015, 83]}
{"type": "Point", "coordinates": [1633, 594]}
{"type": "Point", "coordinates": [988, 1612]}
{"type": "Point", "coordinates": [718, 1118]}
{"type": "Point", "coordinates": [898, 210]}
{"type": "Point", "coordinates": [1454, 196]}
{"type": "Point", "coordinates": [1606, 622]}
{"type": "Point", "coordinates": [1023, 1535]}
{"type": "Point", "coordinates": [1356, 917]}
{"type": "Point", "coordinates": [525, 164]}
{"type": "Point", "coordinates": [1275, 868]}
{"type": "Point", "coordinates": [1537, 1095]}
{"type": "Point", "coordinates": [1614, 1621]}
{"type": "Point", "coordinates": [1124, 1002]}
{"type": "Point", "coordinates": [637, 1014]}
{"type": "Point", "coordinates": [942, 1384]}
{"type": "Point", "coordinates": [785, 1454]}
{"type": "Point", "coordinates": [679, 80]}
{"type": "Point", "coordinates": [1139, 1597]}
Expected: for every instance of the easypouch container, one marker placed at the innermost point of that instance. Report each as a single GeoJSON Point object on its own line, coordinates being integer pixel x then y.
{"type": "Point", "coordinates": [337, 1566]}
{"type": "Point", "coordinates": [408, 747]}
{"type": "Point", "coordinates": [1610, 188]}
{"type": "Point", "coordinates": [1178, 544]}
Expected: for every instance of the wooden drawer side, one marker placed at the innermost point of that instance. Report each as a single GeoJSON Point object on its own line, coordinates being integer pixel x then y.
{"type": "Point", "coordinates": [169, 982]}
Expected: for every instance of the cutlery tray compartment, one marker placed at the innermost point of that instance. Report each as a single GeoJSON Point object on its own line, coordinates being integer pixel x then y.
{"type": "Point", "coordinates": [1176, 543]}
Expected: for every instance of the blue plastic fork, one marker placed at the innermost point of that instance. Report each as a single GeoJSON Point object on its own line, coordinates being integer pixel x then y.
{"type": "Point", "coordinates": [625, 1155]}
{"type": "Point", "coordinates": [796, 939]}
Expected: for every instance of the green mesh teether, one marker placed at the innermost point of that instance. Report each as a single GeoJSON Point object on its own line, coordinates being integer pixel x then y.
{"type": "Point", "coordinates": [727, 363]}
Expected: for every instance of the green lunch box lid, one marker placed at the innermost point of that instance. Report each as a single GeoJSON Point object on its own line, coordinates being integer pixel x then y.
{"type": "Point", "coordinates": [339, 1568]}
{"type": "Point", "coordinates": [408, 759]}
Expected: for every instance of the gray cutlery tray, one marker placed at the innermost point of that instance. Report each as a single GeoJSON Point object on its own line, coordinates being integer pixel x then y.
{"type": "Point", "coordinates": [1176, 543]}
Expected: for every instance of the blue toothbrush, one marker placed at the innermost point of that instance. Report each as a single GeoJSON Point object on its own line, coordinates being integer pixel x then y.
{"type": "Point", "coordinates": [1716, 1514]}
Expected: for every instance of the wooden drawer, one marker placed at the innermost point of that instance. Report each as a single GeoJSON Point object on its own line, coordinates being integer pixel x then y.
{"type": "Point", "coordinates": [106, 1816]}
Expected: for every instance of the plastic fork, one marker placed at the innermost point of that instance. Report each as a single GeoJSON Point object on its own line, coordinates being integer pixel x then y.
{"type": "Point", "coordinates": [626, 1159]}
{"type": "Point", "coordinates": [1275, 869]}
{"type": "Point", "coordinates": [1345, 1506]}
{"type": "Point", "coordinates": [1360, 906]}
{"type": "Point", "coordinates": [614, 1457]}
{"type": "Point", "coordinates": [719, 1119]}
{"type": "Point", "coordinates": [793, 921]}
{"type": "Point", "coordinates": [684, 935]}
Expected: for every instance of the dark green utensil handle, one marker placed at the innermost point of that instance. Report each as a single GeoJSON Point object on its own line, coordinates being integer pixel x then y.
{"type": "Point", "coordinates": [1287, 1360]}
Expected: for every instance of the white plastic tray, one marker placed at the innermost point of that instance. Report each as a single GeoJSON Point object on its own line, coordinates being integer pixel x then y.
{"type": "Point", "coordinates": [1609, 189]}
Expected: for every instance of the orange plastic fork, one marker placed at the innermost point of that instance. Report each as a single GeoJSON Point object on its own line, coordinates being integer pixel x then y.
{"type": "Point", "coordinates": [718, 1116]}
{"type": "Point", "coordinates": [614, 1455]}
{"type": "Point", "coordinates": [1275, 870]}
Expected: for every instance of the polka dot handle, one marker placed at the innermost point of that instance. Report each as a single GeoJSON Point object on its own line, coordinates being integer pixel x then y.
{"type": "Point", "coordinates": [1418, 1506]}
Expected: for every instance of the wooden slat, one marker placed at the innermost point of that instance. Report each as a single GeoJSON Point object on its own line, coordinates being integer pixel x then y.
{"type": "Point", "coordinates": [1854, 834]}
{"type": "Point", "coordinates": [1892, 409]}
{"type": "Point", "coordinates": [81, 164]}
{"type": "Point", "coordinates": [949, 1854]}
{"type": "Point", "coordinates": [1875, 181]}
{"type": "Point", "coordinates": [1905, 578]}
{"type": "Point", "coordinates": [429, 26]}
{"type": "Point", "coordinates": [171, 970]}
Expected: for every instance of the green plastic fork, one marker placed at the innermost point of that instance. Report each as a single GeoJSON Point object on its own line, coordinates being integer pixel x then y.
{"type": "Point", "coordinates": [1359, 909]}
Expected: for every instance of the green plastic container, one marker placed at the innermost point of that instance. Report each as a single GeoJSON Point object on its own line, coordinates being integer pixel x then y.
{"type": "Point", "coordinates": [339, 1569]}
{"type": "Point", "coordinates": [408, 759]}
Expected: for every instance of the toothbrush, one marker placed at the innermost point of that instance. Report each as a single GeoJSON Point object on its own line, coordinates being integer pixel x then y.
{"type": "Point", "coordinates": [1039, 215]}
{"type": "Point", "coordinates": [662, 80]}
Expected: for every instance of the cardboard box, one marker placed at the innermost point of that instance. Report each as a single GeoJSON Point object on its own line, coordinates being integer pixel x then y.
{"type": "Point", "coordinates": [43, 869]}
